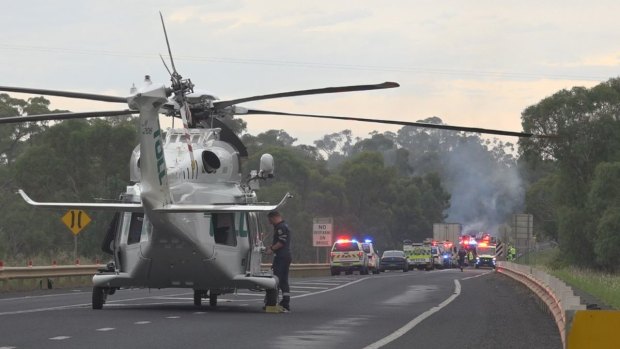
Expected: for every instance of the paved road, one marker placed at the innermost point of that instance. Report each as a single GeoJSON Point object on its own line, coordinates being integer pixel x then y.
{"type": "Point", "coordinates": [480, 310]}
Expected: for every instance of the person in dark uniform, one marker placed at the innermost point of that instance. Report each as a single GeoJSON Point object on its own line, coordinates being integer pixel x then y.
{"type": "Point", "coordinates": [281, 249]}
{"type": "Point", "coordinates": [462, 254]}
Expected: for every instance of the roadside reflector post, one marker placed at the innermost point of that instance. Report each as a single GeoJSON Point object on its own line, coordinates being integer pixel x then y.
{"type": "Point", "coordinates": [30, 263]}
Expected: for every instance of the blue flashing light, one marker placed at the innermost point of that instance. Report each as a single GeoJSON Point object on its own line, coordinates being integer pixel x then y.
{"type": "Point", "coordinates": [446, 256]}
{"type": "Point", "coordinates": [353, 240]}
{"type": "Point", "coordinates": [368, 241]}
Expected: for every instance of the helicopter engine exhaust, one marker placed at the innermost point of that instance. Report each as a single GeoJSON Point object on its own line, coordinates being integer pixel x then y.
{"type": "Point", "coordinates": [210, 161]}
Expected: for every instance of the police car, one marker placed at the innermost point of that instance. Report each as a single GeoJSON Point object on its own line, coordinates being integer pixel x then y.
{"type": "Point", "coordinates": [348, 256]}
{"type": "Point", "coordinates": [374, 261]}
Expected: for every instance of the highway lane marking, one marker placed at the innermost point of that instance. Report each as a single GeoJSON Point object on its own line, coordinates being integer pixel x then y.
{"type": "Point", "coordinates": [476, 276]}
{"type": "Point", "coordinates": [8, 347]}
{"type": "Point", "coordinates": [74, 292]}
{"type": "Point", "coordinates": [173, 317]}
{"type": "Point", "coordinates": [34, 297]}
{"type": "Point", "coordinates": [417, 320]}
{"type": "Point", "coordinates": [332, 289]}
{"type": "Point", "coordinates": [106, 329]}
{"type": "Point", "coordinates": [83, 305]}
{"type": "Point", "coordinates": [310, 287]}
{"type": "Point", "coordinates": [142, 322]}
{"type": "Point", "coordinates": [112, 303]}
{"type": "Point", "coordinates": [319, 283]}
{"type": "Point", "coordinates": [59, 338]}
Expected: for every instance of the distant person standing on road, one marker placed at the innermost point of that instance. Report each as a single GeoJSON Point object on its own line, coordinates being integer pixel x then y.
{"type": "Point", "coordinates": [282, 255]}
{"type": "Point", "coordinates": [462, 254]}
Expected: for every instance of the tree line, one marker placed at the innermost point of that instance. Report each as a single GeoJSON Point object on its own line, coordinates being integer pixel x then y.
{"type": "Point", "coordinates": [574, 176]}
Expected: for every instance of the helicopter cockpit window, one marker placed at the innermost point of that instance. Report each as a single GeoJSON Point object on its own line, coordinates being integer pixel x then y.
{"type": "Point", "coordinates": [135, 228]}
{"type": "Point", "coordinates": [195, 138]}
{"type": "Point", "coordinates": [173, 139]}
{"type": "Point", "coordinates": [224, 228]}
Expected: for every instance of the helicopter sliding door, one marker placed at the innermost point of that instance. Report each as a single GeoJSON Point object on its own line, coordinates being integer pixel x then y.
{"type": "Point", "coordinates": [256, 243]}
{"type": "Point", "coordinates": [135, 228]}
{"type": "Point", "coordinates": [231, 235]}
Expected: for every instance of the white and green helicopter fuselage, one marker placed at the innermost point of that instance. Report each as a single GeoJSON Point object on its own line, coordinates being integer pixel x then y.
{"type": "Point", "coordinates": [187, 222]}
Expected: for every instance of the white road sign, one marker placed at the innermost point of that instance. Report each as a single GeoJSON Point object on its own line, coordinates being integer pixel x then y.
{"type": "Point", "coordinates": [322, 235]}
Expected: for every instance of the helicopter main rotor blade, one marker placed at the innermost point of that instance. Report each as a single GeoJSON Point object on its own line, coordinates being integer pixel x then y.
{"type": "Point", "coordinates": [243, 111]}
{"type": "Point", "coordinates": [224, 104]}
{"type": "Point", "coordinates": [66, 116]}
{"type": "Point", "coordinates": [78, 95]}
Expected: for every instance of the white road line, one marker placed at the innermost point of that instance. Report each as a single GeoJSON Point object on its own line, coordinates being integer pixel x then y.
{"type": "Point", "coordinates": [299, 291]}
{"type": "Point", "coordinates": [173, 317]}
{"type": "Point", "coordinates": [319, 283]}
{"type": "Point", "coordinates": [310, 287]}
{"type": "Point", "coordinates": [59, 338]}
{"type": "Point", "coordinates": [141, 322]}
{"type": "Point", "coordinates": [8, 347]}
{"type": "Point", "coordinates": [331, 289]}
{"type": "Point", "coordinates": [62, 307]}
{"type": "Point", "coordinates": [476, 276]}
{"type": "Point", "coordinates": [413, 323]}
{"type": "Point", "coordinates": [106, 329]}
{"type": "Point", "coordinates": [34, 297]}
{"type": "Point", "coordinates": [199, 312]}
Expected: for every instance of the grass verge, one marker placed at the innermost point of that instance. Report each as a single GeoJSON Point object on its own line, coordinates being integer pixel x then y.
{"type": "Point", "coordinates": [603, 286]}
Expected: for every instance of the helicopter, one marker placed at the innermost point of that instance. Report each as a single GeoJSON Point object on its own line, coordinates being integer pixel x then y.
{"type": "Point", "coordinates": [189, 219]}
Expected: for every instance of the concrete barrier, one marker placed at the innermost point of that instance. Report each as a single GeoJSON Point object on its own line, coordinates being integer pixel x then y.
{"type": "Point", "coordinates": [558, 297]}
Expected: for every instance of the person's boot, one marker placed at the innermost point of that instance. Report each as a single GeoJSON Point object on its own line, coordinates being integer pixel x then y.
{"type": "Point", "coordinates": [286, 303]}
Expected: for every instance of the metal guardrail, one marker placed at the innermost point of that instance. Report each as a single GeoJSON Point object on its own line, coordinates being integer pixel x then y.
{"type": "Point", "coordinates": [553, 292]}
{"type": "Point", "coordinates": [21, 273]}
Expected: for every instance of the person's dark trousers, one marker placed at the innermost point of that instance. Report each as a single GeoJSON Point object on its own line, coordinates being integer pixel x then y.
{"type": "Point", "coordinates": [280, 269]}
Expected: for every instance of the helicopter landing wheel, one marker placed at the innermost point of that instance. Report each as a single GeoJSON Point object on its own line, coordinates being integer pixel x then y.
{"type": "Point", "coordinates": [99, 296]}
{"type": "Point", "coordinates": [212, 299]}
{"type": "Point", "coordinates": [197, 298]}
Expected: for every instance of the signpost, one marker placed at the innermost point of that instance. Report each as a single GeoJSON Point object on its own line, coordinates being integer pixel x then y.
{"type": "Point", "coordinates": [322, 232]}
{"type": "Point", "coordinates": [75, 220]}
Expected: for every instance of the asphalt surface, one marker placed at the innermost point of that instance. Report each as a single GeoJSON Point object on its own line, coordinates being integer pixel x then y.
{"type": "Point", "coordinates": [392, 310]}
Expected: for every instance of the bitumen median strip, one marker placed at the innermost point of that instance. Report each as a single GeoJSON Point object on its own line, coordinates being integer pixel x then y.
{"type": "Point", "coordinates": [417, 320]}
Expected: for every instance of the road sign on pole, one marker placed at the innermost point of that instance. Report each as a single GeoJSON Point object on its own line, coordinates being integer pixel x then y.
{"type": "Point", "coordinates": [76, 220]}
{"type": "Point", "coordinates": [322, 229]}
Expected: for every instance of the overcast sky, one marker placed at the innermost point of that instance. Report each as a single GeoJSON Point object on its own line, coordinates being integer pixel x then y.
{"type": "Point", "coordinates": [473, 63]}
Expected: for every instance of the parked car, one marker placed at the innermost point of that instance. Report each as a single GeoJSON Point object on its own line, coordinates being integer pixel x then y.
{"type": "Point", "coordinates": [394, 260]}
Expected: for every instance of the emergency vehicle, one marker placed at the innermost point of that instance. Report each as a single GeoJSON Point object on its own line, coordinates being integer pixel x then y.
{"type": "Point", "coordinates": [450, 258]}
{"type": "Point", "coordinates": [437, 253]}
{"type": "Point", "coordinates": [374, 261]}
{"type": "Point", "coordinates": [418, 255]}
{"type": "Point", "coordinates": [348, 255]}
{"type": "Point", "coordinates": [485, 254]}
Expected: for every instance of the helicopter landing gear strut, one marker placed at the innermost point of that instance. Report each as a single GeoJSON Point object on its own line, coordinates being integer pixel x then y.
{"type": "Point", "coordinates": [200, 294]}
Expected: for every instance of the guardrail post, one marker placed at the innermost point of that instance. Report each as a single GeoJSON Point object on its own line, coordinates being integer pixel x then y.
{"type": "Point", "coordinates": [1, 264]}
{"type": "Point", "coordinates": [30, 263]}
